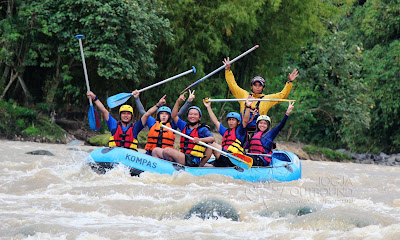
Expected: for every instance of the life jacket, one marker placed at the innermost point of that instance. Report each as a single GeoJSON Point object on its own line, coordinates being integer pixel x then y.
{"type": "Point", "coordinates": [231, 143]}
{"type": "Point", "coordinates": [123, 139]}
{"type": "Point", "coordinates": [159, 137]}
{"type": "Point", "coordinates": [188, 146]}
{"type": "Point", "coordinates": [251, 125]}
{"type": "Point", "coordinates": [257, 147]}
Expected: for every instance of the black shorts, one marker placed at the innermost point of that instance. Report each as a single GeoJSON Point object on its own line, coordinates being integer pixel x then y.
{"type": "Point", "coordinates": [189, 160]}
{"type": "Point", "coordinates": [259, 161]}
{"type": "Point", "coordinates": [223, 161]}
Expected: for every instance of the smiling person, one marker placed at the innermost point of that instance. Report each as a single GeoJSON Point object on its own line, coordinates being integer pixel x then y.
{"type": "Point", "coordinates": [191, 153]}
{"type": "Point", "coordinates": [124, 132]}
{"type": "Point", "coordinates": [257, 87]}
{"type": "Point", "coordinates": [157, 138]}
{"type": "Point", "coordinates": [233, 137]}
{"type": "Point", "coordinates": [262, 140]}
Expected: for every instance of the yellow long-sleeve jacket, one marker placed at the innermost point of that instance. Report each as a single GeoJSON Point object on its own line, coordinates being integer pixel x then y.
{"type": "Point", "coordinates": [238, 92]}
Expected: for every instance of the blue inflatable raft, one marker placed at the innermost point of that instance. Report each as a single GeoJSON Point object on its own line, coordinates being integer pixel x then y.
{"type": "Point", "coordinates": [285, 166]}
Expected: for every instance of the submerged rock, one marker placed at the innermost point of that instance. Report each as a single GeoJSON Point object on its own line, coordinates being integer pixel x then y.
{"type": "Point", "coordinates": [213, 209]}
{"type": "Point", "coordinates": [40, 152]}
{"type": "Point", "coordinates": [278, 211]}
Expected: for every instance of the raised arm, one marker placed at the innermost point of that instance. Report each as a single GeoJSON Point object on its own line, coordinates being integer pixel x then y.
{"type": "Point", "coordinates": [187, 104]}
{"type": "Point", "coordinates": [153, 109]}
{"type": "Point", "coordinates": [99, 105]}
{"type": "Point", "coordinates": [214, 119]}
{"type": "Point", "coordinates": [246, 116]}
{"type": "Point", "coordinates": [286, 90]}
{"type": "Point", "coordinates": [139, 104]}
{"type": "Point", "coordinates": [237, 91]}
{"type": "Point", "coordinates": [174, 114]}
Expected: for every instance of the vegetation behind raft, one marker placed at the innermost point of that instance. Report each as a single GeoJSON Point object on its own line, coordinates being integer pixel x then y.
{"type": "Point", "coordinates": [30, 124]}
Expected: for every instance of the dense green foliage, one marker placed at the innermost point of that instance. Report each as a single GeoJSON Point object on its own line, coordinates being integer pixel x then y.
{"type": "Point", "coordinates": [16, 120]}
{"type": "Point", "coordinates": [347, 53]}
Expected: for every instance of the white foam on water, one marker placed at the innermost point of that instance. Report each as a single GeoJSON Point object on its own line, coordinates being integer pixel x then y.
{"type": "Point", "coordinates": [60, 197]}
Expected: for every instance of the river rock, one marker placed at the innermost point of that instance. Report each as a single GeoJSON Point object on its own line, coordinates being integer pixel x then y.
{"type": "Point", "coordinates": [40, 152]}
{"type": "Point", "coordinates": [213, 209]}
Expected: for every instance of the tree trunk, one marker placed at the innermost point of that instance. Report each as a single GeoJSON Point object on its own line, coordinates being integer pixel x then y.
{"type": "Point", "coordinates": [12, 79]}
{"type": "Point", "coordinates": [51, 87]}
{"type": "Point", "coordinates": [26, 91]}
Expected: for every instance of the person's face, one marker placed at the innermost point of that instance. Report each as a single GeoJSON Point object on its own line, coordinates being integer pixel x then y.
{"type": "Point", "coordinates": [126, 116]}
{"type": "Point", "coordinates": [257, 88]}
{"type": "Point", "coordinates": [262, 125]}
{"type": "Point", "coordinates": [193, 115]}
{"type": "Point", "coordinates": [164, 116]}
{"type": "Point", "coordinates": [232, 123]}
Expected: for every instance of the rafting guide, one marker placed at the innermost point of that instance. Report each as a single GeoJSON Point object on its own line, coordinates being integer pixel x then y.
{"type": "Point", "coordinates": [257, 87]}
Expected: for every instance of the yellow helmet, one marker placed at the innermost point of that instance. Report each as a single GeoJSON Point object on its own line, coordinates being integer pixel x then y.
{"type": "Point", "coordinates": [126, 108]}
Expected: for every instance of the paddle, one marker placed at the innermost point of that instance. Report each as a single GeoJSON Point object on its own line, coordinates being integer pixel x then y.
{"type": "Point", "coordinates": [238, 159]}
{"type": "Point", "coordinates": [121, 98]}
{"type": "Point", "coordinates": [93, 116]}
{"type": "Point", "coordinates": [220, 68]}
{"type": "Point", "coordinates": [253, 99]}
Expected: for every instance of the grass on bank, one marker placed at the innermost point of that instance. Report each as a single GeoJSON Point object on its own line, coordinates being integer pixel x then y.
{"type": "Point", "coordinates": [25, 122]}
{"type": "Point", "coordinates": [333, 155]}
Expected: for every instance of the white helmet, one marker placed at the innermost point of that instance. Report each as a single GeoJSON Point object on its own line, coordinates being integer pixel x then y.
{"type": "Point", "coordinates": [264, 117]}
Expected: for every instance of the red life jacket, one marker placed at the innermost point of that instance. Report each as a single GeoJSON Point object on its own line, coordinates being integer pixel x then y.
{"type": "Point", "coordinates": [188, 146]}
{"type": "Point", "coordinates": [257, 147]}
{"type": "Point", "coordinates": [230, 141]}
{"type": "Point", "coordinates": [123, 139]}
{"type": "Point", "coordinates": [159, 138]}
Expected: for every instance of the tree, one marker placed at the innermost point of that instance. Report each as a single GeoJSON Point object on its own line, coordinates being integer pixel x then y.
{"type": "Point", "coordinates": [333, 96]}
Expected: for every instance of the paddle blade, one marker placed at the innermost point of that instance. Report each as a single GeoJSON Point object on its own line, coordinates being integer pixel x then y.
{"type": "Point", "coordinates": [94, 119]}
{"type": "Point", "coordinates": [118, 99]}
{"type": "Point", "coordinates": [241, 160]}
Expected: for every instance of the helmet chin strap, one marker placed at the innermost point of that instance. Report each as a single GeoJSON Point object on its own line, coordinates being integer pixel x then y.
{"type": "Point", "coordinates": [193, 124]}
{"type": "Point", "coordinates": [125, 122]}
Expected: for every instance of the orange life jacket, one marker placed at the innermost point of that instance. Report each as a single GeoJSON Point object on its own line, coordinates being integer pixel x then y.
{"type": "Point", "coordinates": [123, 139]}
{"type": "Point", "coordinates": [159, 137]}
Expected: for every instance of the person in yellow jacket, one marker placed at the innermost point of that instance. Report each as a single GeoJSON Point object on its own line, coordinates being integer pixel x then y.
{"type": "Point", "coordinates": [257, 87]}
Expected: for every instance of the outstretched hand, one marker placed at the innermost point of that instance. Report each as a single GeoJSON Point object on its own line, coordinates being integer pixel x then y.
{"type": "Point", "coordinates": [181, 97]}
{"type": "Point", "coordinates": [162, 101]}
{"type": "Point", "coordinates": [135, 93]}
{"type": "Point", "coordinates": [191, 96]}
{"type": "Point", "coordinates": [293, 75]}
{"type": "Point", "coordinates": [290, 108]}
{"type": "Point", "coordinates": [90, 95]}
{"type": "Point", "coordinates": [206, 102]}
{"type": "Point", "coordinates": [249, 100]}
{"type": "Point", "coordinates": [226, 62]}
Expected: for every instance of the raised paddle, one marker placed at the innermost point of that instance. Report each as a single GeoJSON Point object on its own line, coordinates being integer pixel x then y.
{"type": "Point", "coordinates": [220, 68]}
{"type": "Point", "coordinates": [121, 98]}
{"type": "Point", "coordinates": [93, 116]}
{"type": "Point", "coordinates": [237, 159]}
{"type": "Point", "coordinates": [253, 99]}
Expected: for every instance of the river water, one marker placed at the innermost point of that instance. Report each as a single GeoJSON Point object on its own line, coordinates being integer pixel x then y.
{"type": "Point", "coordinates": [60, 197]}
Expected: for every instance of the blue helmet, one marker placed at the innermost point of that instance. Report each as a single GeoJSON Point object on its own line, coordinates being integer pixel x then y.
{"type": "Point", "coordinates": [164, 109]}
{"type": "Point", "coordinates": [234, 115]}
{"type": "Point", "coordinates": [197, 108]}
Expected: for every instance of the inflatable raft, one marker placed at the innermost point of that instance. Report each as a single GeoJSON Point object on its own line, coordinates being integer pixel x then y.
{"type": "Point", "coordinates": [285, 166]}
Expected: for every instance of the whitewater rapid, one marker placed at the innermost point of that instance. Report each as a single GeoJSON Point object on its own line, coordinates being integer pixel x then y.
{"type": "Point", "coordinates": [60, 197]}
